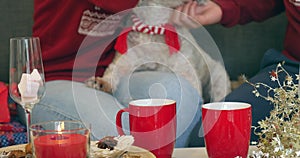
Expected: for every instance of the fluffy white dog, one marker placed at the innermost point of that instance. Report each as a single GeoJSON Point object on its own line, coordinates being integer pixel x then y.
{"type": "Point", "coordinates": [152, 44]}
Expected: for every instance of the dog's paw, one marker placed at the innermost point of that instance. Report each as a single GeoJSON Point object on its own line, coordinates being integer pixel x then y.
{"type": "Point", "coordinates": [99, 84]}
{"type": "Point", "coordinates": [235, 84]}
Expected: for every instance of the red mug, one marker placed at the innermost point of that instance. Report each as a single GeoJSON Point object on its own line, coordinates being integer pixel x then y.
{"type": "Point", "coordinates": [152, 123]}
{"type": "Point", "coordinates": [227, 129]}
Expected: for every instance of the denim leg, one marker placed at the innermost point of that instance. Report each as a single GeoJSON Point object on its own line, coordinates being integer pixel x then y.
{"type": "Point", "coordinates": [260, 107]}
{"type": "Point", "coordinates": [150, 84]}
{"type": "Point", "coordinates": [66, 100]}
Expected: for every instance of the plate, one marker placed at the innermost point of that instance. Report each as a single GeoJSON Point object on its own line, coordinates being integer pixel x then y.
{"type": "Point", "coordinates": [134, 150]}
{"type": "Point", "coordinates": [141, 151]}
{"type": "Point", "coordinates": [13, 147]}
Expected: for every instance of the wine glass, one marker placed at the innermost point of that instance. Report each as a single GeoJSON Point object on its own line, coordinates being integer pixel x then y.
{"type": "Point", "coordinates": [26, 74]}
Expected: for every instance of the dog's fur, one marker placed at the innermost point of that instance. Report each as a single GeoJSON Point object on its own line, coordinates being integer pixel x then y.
{"type": "Point", "coordinates": [149, 52]}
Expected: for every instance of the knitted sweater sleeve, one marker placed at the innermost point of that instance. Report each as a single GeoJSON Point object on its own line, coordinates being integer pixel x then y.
{"type": "Point", "coordinates": [114, 6]}
{"type": "Point", "coordinates": [245, 11]}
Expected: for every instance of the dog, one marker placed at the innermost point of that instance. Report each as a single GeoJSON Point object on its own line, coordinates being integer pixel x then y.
{"type": "Point", "coordinates": [153, 44]}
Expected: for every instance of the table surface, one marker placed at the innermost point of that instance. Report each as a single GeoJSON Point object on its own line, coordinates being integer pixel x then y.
{"type": "Point", "coordinates": [197, 152]}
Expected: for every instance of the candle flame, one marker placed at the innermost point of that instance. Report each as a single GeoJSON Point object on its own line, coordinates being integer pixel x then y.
{"type": "Point", "coordinates": [60, 126]}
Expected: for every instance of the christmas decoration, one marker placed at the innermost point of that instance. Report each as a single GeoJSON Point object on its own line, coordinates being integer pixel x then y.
{"type": "Point", "coordinates": [279, 134]}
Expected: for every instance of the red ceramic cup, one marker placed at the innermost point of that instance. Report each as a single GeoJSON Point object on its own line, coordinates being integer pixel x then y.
{"type": "Point", "coordinates": [227, 128]}
{"type": "Point", "coordinates": [152, 123]}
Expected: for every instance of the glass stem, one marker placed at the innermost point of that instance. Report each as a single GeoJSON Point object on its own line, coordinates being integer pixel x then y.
{"type": "Point", "coordinates": [28, 122]}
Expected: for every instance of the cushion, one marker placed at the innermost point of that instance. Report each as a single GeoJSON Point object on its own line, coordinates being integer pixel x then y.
{"type": "Point", "coordinates": [4, 112]}
{"type": "Point", "coordinates": [12, 133]}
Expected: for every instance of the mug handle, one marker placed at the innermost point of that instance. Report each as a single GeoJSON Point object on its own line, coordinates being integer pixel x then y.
{"type": "Point", "coordinates": [119, 121]}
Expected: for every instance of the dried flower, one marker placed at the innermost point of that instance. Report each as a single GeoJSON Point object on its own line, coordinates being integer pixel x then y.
{"type": "Point", "coordinates": [279, 134]}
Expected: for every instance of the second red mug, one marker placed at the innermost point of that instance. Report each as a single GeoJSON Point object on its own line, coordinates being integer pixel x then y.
{"type": "Point", "coordinates": [227, 129]}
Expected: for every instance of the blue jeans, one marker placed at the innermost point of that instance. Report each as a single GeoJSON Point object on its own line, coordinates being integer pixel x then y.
{"type": "Point", "coordinates": [260, 107]}
{"type": "Point", "coordinates": [67, 100]}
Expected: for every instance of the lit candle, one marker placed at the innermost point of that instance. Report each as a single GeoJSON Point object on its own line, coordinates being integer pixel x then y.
{"type": "Point", "coordinates": [61, 145]}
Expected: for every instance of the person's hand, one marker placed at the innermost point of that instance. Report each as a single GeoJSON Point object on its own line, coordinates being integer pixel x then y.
{"type": "Point", "coordinates": [193, 15]}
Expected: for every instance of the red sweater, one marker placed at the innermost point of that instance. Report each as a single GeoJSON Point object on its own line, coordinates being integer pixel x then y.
{"type": "Point", "coordinates": [57, 23]}
{"type": "Point", "coordinates": [244, 11]}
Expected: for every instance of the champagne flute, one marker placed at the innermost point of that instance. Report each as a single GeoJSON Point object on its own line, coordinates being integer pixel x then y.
{"type": "Point", "coordinates": [26, 74]}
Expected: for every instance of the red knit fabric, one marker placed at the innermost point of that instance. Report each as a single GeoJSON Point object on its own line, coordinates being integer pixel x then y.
{"type": "Point", "coordinates": [243, 11]}
{"type": "Point", "coordinates": [57, 23]}
{"type": "Point", "coordinates": [168, 30]}
{"type": "Point", "coordinates": [115, 5]}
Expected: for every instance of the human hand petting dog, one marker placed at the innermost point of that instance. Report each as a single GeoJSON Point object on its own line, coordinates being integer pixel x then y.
{"type": "Point", "coordinates": [194, 14]}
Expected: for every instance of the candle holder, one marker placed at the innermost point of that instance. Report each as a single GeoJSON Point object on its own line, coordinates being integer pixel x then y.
{"type": "Point", "coordinates": [68, 139]}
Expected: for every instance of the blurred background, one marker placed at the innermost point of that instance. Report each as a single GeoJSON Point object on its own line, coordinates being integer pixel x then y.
{"type": "Point", "coordinates": [242, 47]}
{"type": "Point", "coordinates": [16, 19]}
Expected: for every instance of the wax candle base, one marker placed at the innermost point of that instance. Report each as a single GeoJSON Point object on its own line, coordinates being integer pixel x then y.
{"type": "Point", "coordinates": [60, 139]}
{"type": "Point", "coordinates": [61, 145]}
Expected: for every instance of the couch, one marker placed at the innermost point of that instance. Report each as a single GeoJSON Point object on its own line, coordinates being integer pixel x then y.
{"type": "Point", "coordinates": [242, 47]}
